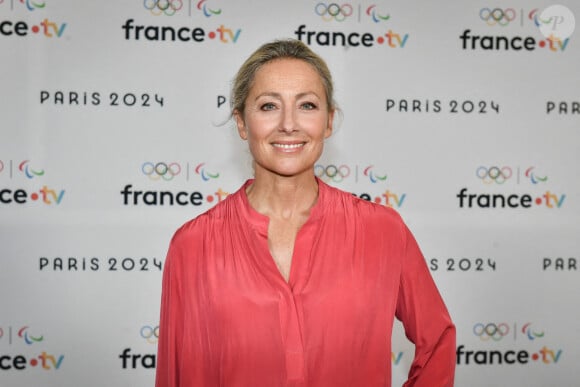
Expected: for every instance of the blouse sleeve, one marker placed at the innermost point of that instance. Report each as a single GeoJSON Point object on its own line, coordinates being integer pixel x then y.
{"type": "Point", "coordinates": [426, 321]}
{"type": "Point", "coordinates": [180, 359]}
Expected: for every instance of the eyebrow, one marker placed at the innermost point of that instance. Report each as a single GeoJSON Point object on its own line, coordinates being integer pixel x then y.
{"type": "Point", "coordinates": [279, 96]}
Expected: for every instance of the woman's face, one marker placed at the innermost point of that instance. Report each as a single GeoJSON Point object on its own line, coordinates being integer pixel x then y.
{"type": "Point", "coordinates": [286, 118]}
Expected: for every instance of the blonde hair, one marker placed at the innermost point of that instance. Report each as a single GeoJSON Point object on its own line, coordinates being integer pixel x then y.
{"type": "Point", "coordinates": [278, 49]}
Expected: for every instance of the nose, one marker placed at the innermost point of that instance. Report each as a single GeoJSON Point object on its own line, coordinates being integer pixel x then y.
{"type": "Point", "coordinates": [288, 120]}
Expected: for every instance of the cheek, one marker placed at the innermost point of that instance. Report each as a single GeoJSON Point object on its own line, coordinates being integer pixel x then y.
{"type": "Point", "coordinates": [318, 127]}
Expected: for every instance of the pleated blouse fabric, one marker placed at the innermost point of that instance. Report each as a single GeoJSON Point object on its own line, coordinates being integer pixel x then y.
{"type": "Point", "coordinates": [229, 318]}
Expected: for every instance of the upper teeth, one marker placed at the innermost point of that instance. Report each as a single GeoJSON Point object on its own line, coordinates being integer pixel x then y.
{"type": "Point", "coordinates": [288, 146]}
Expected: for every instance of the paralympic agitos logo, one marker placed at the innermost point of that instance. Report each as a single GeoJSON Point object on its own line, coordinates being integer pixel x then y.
{"type": "Point", "coordinates": [497, 180]}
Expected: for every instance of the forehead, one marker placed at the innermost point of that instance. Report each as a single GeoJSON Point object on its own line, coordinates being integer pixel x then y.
{"type": "Point", "coordinates": [287, 73]}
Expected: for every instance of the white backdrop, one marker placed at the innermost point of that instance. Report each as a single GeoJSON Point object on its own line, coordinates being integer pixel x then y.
{"type": "Point", "coordinates": [442, 121]}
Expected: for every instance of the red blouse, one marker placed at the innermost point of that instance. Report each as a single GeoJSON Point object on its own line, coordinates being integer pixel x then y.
{"type": "Point", "coordinates": [228, 317]}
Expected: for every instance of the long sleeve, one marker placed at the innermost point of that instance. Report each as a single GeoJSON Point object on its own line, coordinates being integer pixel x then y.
{"type": "Point", "coordinates": [426, 321]}
{"type": "Point", "coordinates": [170, 324]}
{"type": "Point", "coordinates": [182, 358]}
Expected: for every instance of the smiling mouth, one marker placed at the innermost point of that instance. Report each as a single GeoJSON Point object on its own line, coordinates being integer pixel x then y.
{"type": "Point", "coordinates": [288, 146]}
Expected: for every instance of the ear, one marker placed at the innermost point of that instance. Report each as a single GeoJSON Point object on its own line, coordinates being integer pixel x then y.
{"type": "Point", "coordinates": [329, 128]}
{"type": "Point", "coordinates": [238, 116]}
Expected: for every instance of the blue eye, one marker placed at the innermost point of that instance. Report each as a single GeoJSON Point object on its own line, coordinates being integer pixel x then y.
{"type": "Point", "coordinates": [308, 106]}
{"type": "Point", "coordinates": [268, 106]}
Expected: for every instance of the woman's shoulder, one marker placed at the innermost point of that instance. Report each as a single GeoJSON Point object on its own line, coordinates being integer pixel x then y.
{"type": "Point", "coordinates": [345, 202]}
{"type": "Point", "coordinates": [208, 222]}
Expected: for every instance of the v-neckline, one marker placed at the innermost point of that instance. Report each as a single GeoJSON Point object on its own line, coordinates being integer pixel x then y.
{"type": "Point", "coordinates": [260, 224]}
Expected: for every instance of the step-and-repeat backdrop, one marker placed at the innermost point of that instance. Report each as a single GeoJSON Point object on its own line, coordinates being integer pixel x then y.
{"type": "Point", "coordinates": [463, 116]}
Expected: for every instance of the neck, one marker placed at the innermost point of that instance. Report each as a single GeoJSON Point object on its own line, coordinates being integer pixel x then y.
{"type": "Point", "coordinates": [283, 197]}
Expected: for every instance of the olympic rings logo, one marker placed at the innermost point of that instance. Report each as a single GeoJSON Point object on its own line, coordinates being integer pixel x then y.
{"type": "Point", "coordinates": [333, 11]}
{"type": "Point", "coordinates": [332, 172]}
{"type": "Point", "coordinates": [158, 7]}
{"type": "Point", "coordinates": [149, 333]}
{"type": "Point", "coordinates": [494, 174]}
{"type": "Point", "coordinates": [503, 17]}
{"type": "Point", "coordinates": [161, 170]}
{"type": "Point", "coordinates": [492, 331]}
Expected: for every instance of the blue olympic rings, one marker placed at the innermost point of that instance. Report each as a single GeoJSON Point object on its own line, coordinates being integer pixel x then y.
{"type": "Point", "coordinates": [333, 11]}
{"type": "Point", "coordinates": [161, 170]}
{"type": "Point", "coordinates": [492, 331]}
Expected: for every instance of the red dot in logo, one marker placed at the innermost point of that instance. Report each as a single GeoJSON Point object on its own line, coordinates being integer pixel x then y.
{"type": "Point", "coordinates": [34, 196]}
{"type": "Point", "coordinates": [378, 200]}
{"type": "Point", "coordinates": [380, 40]}
{"type": "Point", "coordinates": [211, 35]}
{"type": "Point", "coordinates": [542, 43]}
{"type": "Point", "coordinates": [210, 198]}
{"type": "Point", "coordinates": [33, 362]}
{"type": "Point", "coordinates": [535, 356]}
{"type": "Point", "coordinates": [35, 29]}
{"type": "Point", "coordinates": [538, 201]}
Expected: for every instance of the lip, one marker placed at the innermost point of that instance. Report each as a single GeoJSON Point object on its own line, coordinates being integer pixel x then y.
{"type": "Point", "coordinates": [288, 146]}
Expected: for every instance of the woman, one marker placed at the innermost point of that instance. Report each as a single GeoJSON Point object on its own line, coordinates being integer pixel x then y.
{"type": "Point", "coordinates": [290, 282]}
